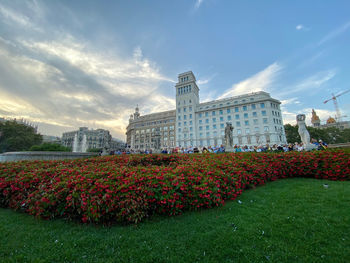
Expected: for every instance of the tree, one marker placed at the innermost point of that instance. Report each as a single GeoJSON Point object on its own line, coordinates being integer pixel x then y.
{"type": "Point", "coordinates": [17, 137]}
{"type": "Point", "coordinates": [329, 135]}
{"type": "Point", "coordinates": [292, 134]}
{"type": "Point", "coordinates": [51, 147]}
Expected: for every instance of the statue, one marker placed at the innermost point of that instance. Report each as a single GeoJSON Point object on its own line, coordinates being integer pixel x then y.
{"type": "Point", "coordinates": [304, 134]}
{"type": "Point", "coordinates": [105, 149]}
{"type": "Point", "coordinates": [228, 136]}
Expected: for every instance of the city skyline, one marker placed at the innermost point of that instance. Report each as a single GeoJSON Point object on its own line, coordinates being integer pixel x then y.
{"type": "Point", "coordinates": [70, 64]}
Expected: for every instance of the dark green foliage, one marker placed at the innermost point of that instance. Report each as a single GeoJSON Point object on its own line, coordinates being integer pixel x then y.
{"type": "Point", "coordinates": [17, 137]}
{"type": "Point", "coordinates": [94, 150]}
{"type": "Point", "coordinates": [329, 135]}
{"type": "Point", "coordinates": [51, 147]}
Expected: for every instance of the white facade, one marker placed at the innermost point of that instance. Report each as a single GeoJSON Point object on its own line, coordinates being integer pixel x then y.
{"type": "Point", "coordinates": [256, 118]}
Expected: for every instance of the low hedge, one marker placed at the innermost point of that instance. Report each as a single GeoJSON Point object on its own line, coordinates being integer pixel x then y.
{"type": "Point", "coordinates": [129, 188]}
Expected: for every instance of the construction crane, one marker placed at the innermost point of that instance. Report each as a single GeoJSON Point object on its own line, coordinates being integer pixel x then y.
{"type": "Point", "coordinates": [334, 98]}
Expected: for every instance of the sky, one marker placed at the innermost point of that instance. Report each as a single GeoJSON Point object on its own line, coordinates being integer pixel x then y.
{"type": "Point", "coordinates": [68, 64]}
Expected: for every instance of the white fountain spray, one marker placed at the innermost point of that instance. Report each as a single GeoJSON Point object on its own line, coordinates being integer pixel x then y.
{"type": "Point", "coordinates": [75, 143]}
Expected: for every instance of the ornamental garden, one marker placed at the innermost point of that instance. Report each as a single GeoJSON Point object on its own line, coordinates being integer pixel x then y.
{"type": "Point", "coordinates": [130, 188]}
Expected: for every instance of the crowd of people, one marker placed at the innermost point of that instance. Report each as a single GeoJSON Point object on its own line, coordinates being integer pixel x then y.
{"type": "Point", "coordinates": [320, 145]}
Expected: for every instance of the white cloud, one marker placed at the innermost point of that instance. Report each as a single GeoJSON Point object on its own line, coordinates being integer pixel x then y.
{"type": "Point", "coordinates": [290, 116]}
{"type": "Point", "coordinates": [299, 27]}
{"type": "Point", "coordinates": [309, 84]}
{"type": "Point", "coordinates": [81, 85]}
{"type": "Point", "coordinates": [338, 31]}
{"type": "Point", "coordinates": [260, 81]}
{"type": "Point", "coordinates": [198, 4]}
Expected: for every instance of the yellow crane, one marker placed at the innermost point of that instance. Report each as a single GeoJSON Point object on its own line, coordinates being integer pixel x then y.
{"type": "Point", "coordinates": [334, 98]}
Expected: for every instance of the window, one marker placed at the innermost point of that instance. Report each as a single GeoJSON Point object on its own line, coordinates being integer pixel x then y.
{"type": "Point", "coordinates": [200, 115]}
{"type": "Point", "coordinates": [255, 114]}
{"type": "Point", "coordinates": [191, 129]}
{"type": "Point", "coordinates": [221, 118]}
{"type": "Point", "coordinates": [228, 117]}
{"type": "Point", "coordinates": [179, 124]}
{"type": "Point", "coordinates": [228, 111]}
{"type": "Point", "coordinates": [178, 110]}
{"type": "Point", "coordinates": [221, 125]}
{"type": "Point", "coordinates": [207, 127]}
{"type": "Point", "coordinates": [246, 115]}
{"type": "Point", "coordinates": [208, 134]}
{"type": "Point", "coordinates": [190, 116]}
{"type": "Point", "coordinates": [214, 119]}
{"type": "Point", "coordinates": [265, 120]}
{"type": "Point", "coordinates": [239, 131]}
{"type": "Point", "coordinates": [236, 109]}
{"type": "Point", "coordinates": [201, 134]}
{"type": "Point", "coordinates": [266, 128]}
{"type": "Point", "coordinates": [245, 108]}
{"type": "Point", "coordinates": [246, 123]}
{"type": "Point", "coordinates": [184, 109]}
{"type": "Point", "coordinates": [185, 117]}
{"type": "Point", "coordinates": [185, 123]}
{"type": "Point", "coordinates": [200, 121]}
{"type": "Point", "coordinates": [255, 121]}
{"type": "Point", "coordinates": [179, 130]}
{"type": "Point", "coordinates": [221, 112]}
{"type": "Point", "coordinates": [214, 126]}
{"type": "Point", "coordinates": [238, 123]}
{"type": "Point", "coordinates": [263, 112]}
{"type": "Point", "coordinates": [237, 116]}
{"type": "Point", "coordinates": [253, 106]}
{"type": "Point", "coordinates": [256, 129]}
{"type": "Point", "coordinates": [206, 114]}
{"type": "Point", "coordinates": [262, 105]}
{"type": "Point", "coordinates": [200, 128]}
{"type": "Point", "coordinates": [206, 120]}
{"type": "Point", "coordinates": [247, 131]}
{"type": "Point", "coordinates": [190, 122]}
{"type": "Point", "coordinates": [213, 113]}
{"type": "Point", "coordinates": [179, 118]}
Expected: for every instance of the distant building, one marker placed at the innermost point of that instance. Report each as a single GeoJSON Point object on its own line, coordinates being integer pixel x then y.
{"type": "Point", "coordinates": [95, 139]}
{"type": "Point", "coordinates": [51, 139]}
{"type": "Point", "coordinates": [256, 118]}
{"type": "Point", "coordinates": [331, 122]}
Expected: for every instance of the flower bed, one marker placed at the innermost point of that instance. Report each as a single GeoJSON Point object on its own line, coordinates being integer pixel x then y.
{"type": "Point", "coordinates": [130, 188]}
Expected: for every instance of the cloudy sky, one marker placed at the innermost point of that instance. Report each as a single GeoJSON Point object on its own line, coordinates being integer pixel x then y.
{"type": "Point", "coordinates": [66, 64]}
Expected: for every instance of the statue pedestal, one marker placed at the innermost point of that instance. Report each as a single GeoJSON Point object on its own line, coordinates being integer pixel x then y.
{"type": "Point", "coordinates": [310, 147]}
{"type": "Point", "coordinates": [229, 149]}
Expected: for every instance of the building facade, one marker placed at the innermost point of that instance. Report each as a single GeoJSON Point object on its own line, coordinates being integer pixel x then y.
{"type": "Point", "coordinates": [331, 122]}
{"type": "Point", "coordinates": [95, 139]}
{"type": "Point", "coordinates": [256, 118]}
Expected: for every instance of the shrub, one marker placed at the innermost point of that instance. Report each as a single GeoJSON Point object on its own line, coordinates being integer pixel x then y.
{"type": "Point", "coordinates": [129, 188]}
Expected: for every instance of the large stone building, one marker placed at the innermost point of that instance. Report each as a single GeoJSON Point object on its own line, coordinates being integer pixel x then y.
{"type": "Point", "coordinates": [95, 139]}
{"type": "Point", "coordinates": [256, 118]}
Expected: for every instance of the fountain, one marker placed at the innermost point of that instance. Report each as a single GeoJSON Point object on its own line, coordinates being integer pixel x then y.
{"type": "Point", "coordinates": [79, 145]}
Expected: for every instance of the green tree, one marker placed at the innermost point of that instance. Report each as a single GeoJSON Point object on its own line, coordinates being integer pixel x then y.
{"type": "Point", "coordinates": [17, 137]}
{"type": "Point", "coordinates": [292, 134]}
{"type": "Point", "coordinates": [51, 147]}
{"type": "Point", "coordinates": [329, 135]}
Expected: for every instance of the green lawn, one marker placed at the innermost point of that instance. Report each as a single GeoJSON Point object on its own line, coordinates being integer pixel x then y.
{"type": "Point", "coordinates": [290, 220]}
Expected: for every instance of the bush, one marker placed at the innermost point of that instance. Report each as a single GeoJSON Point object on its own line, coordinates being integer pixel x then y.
{"type": "Point", "coordinates": [129, 188]}
{"type": "Point", "coordinates": [51, 147]}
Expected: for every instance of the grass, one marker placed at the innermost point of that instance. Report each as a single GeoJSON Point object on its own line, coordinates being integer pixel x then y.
{"type": "Point", "coordinates": [290, 220]}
